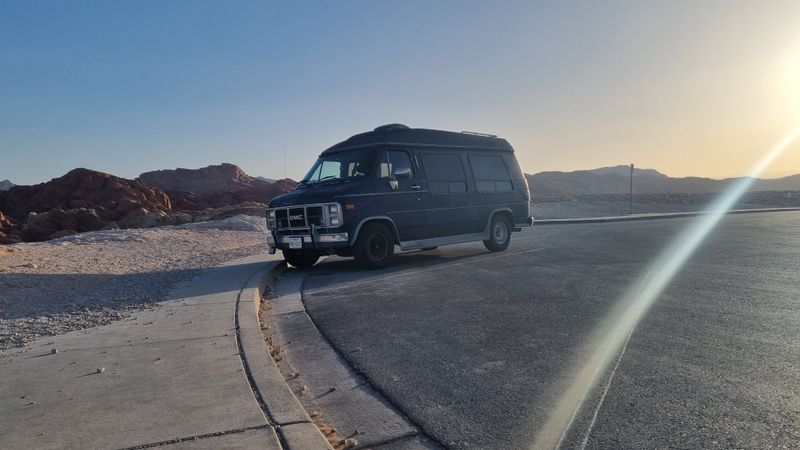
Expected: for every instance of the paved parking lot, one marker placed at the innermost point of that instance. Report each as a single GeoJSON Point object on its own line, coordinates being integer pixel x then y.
{"type": "Point", "coordinates": [476, 347]}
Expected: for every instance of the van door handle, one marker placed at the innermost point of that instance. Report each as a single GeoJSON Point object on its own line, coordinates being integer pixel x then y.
{"type": "Point", "coordinates": [415, 187]}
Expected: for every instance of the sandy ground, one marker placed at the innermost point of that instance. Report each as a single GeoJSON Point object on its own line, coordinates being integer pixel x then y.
{"type": "Point", "coordinates": [94, 278]}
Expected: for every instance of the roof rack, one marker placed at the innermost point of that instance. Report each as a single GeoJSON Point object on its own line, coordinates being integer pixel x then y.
{"type": "Point", "coordinates": [473, 133]}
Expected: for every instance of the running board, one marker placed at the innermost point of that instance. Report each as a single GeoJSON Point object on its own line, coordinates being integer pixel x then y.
{"type": "Point", "coordinates": [444, 240]}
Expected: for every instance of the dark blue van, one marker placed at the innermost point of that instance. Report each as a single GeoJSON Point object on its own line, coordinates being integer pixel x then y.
{"type": "Point", "coordinates": [400, 186]}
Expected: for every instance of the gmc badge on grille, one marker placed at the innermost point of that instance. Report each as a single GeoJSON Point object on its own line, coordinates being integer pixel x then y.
{"type": "Point", "coordinates": [297, 217]}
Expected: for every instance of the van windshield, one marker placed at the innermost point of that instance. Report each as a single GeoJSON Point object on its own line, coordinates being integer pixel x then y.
{"type": "Point", "coordinates": [340, 166]}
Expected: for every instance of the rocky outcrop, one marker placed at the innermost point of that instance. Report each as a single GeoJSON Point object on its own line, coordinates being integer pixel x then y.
{"type": "Point", "coordinates": [261, 193]}
{"type": "Point", "coordinates": [214, 186]}
{"type": "Point", "coordinates": [87, 200]}
{"type": "Point", "coordinates": [9, 230]}
{"type": "Point", "coordinates": [81, 200]}
{"type": "Point", "coordinates": [221, 178]}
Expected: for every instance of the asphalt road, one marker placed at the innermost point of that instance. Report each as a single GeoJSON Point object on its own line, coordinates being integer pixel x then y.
{"type": "Point", "coordinates": [476, 347]}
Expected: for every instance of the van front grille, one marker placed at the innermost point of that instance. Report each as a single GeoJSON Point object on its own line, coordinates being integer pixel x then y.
{"type": "Point", "coordinates": [314, 215]}
{"type": "Point", "coordinates": [299, 217]}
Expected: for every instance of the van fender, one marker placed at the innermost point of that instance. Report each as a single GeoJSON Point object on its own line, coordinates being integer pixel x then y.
{"type": "Point", "coordinates": [492, 214]}
{"type": "Point", "coordinates": [365, 220]}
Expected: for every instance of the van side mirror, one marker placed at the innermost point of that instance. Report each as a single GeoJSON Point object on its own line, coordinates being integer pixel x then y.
{"type": "Point", "coordinates": [402, 172]}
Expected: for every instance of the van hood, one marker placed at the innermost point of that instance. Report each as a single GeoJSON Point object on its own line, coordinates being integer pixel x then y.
{"type": "Point", "coordinates": [319, 194]}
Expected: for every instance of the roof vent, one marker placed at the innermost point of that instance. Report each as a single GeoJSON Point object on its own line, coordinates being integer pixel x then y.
{"type": "Point", "coordinates": [392, 127]}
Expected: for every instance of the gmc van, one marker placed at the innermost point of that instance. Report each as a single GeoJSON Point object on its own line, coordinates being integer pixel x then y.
{"type": "Point", "coordinates": [400, 186]}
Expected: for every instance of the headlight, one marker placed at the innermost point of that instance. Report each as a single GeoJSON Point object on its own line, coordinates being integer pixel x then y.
{"type": "Point", "coordinates": [270, 219]}
{"type": "Point", "coordinates": [334, 215]}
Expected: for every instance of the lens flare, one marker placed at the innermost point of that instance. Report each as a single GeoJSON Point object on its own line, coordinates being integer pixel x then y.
{"type": "Point", "coordinates": [609, 339]}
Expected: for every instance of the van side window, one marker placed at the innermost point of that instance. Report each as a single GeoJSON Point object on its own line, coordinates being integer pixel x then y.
{"type": "Point", "coordinates": [397, 159]}
{"type": "Point", "coordinates": [444, 172]}
{"type": "Point", "coordinates": [491, 173]}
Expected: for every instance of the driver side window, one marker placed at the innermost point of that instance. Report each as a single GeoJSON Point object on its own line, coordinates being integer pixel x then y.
{"type": "Point", "coordinates": [393, 160]}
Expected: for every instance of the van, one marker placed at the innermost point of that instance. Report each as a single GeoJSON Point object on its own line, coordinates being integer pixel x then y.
{"type": "Point", "coordinates": [399, 186]}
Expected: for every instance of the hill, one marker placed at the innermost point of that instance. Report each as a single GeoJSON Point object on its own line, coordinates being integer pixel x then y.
{"type": "Point", "coordinates": [214, 186]}
{"type": "Point", "coordinates": [615, 180]}
{"type": "Point", "coordinates": [220, 178]}
{"type": "Point", "coordinates": [6, 185]}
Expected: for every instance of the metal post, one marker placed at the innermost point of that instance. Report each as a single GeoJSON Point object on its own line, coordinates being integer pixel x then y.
{"type": "Point", "coordinates": [630, 194]}
{"type": "Point", "coordinates": [285, 187]}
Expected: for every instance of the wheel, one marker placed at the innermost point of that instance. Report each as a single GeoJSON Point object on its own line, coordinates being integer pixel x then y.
{"type": "Point", "coordinates": [300, 258]}
{"type": "Point", "coordinates": [499, 234]}
{"type": "Point", "coordinates": [374, 247]}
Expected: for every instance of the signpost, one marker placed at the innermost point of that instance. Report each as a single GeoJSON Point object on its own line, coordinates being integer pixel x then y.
{"type": "Point", "coordinates": [630, 194]}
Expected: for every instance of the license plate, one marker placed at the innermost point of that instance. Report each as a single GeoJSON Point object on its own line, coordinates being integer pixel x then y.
{"type": "Point", "coordinates": [295, 242]}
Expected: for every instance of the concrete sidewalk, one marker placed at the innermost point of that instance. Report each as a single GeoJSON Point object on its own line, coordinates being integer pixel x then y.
{"type": "Point", "coordinates": [192, 373]}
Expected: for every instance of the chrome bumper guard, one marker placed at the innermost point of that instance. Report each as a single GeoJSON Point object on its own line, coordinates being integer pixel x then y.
{"type": "Point", "coordinates": [314, 240]}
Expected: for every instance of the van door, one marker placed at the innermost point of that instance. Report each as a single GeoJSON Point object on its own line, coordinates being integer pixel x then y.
{"type": "Point", "coordinates": [448, 201]}
{"type": "Point", "coordinates": [400, 193]}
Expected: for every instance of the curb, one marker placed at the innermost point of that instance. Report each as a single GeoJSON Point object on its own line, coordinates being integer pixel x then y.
{"type": "Point", "coordinates": [281, 407]}
{"type": "Point", "coordinates": [655, 216]}
{"type": "Point", "coordinates": [350, 404]}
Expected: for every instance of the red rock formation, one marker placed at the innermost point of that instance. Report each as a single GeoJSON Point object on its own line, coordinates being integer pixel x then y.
{"type": "Point", "coordinates": [81, 200]}
{"type": "Point", "coordinates": [213, 186]}
{"type": "Point", "coordinates": [221, 178]}
{"type": "Point", "coordinates": [261, 193]}
{"type": "Point", "coordinates": [86, 200]}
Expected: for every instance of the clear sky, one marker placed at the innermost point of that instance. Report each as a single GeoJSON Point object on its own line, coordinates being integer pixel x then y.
{"type": "Point", "coordinates": [686, 87]}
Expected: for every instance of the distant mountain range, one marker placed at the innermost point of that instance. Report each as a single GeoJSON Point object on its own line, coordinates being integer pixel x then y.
{"type": "Point", "coordinates": [616, 179]}
{"type": "Point", "coordinates": [6, 185]}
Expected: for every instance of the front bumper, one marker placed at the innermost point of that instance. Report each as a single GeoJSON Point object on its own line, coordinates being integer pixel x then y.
{"type": "Point", "coordinates": [316, 241]}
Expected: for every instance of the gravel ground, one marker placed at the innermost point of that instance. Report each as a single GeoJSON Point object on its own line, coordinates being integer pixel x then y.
{"type": "Point", "coordinates": [91, 279]}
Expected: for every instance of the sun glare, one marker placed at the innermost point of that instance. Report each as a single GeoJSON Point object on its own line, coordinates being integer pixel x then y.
{"type": "Point", "coordinates": [609, 339]}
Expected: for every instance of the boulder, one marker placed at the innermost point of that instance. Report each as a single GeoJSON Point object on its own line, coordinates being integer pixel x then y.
{"type": "Point", "coordinates": [41, 226]}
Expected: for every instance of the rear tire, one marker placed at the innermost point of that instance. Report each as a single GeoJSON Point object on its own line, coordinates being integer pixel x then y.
{"type": "Point", "coordinates": [302, 259]}
{"type": "Point", "coordinates": [499, 234]}
{"type": "Point", "coordinates": [374, 247]}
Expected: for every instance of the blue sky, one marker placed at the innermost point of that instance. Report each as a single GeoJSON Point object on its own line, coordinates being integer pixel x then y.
{"type": "Point", "coordinates": [124, 87]}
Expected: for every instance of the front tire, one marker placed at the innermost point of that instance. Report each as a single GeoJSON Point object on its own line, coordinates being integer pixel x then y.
{"type": "Point", "coordinates": [300, 258]}
{"type": "Point", "coordinates": [374, 247]}
{"type": "Point", "coordinates": [499, 234]}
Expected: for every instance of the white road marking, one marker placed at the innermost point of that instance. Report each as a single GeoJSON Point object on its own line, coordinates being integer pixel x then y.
{"type": "Point", "coordinates": [605, 392]}
{"type": "Point", "coordinates": [592, 422]}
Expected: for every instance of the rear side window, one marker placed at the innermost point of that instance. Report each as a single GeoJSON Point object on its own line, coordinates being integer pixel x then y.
{"type": "Point", "coordinates": [490, 172]}
{"type": "Point", "coordinates": [444, 172]}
